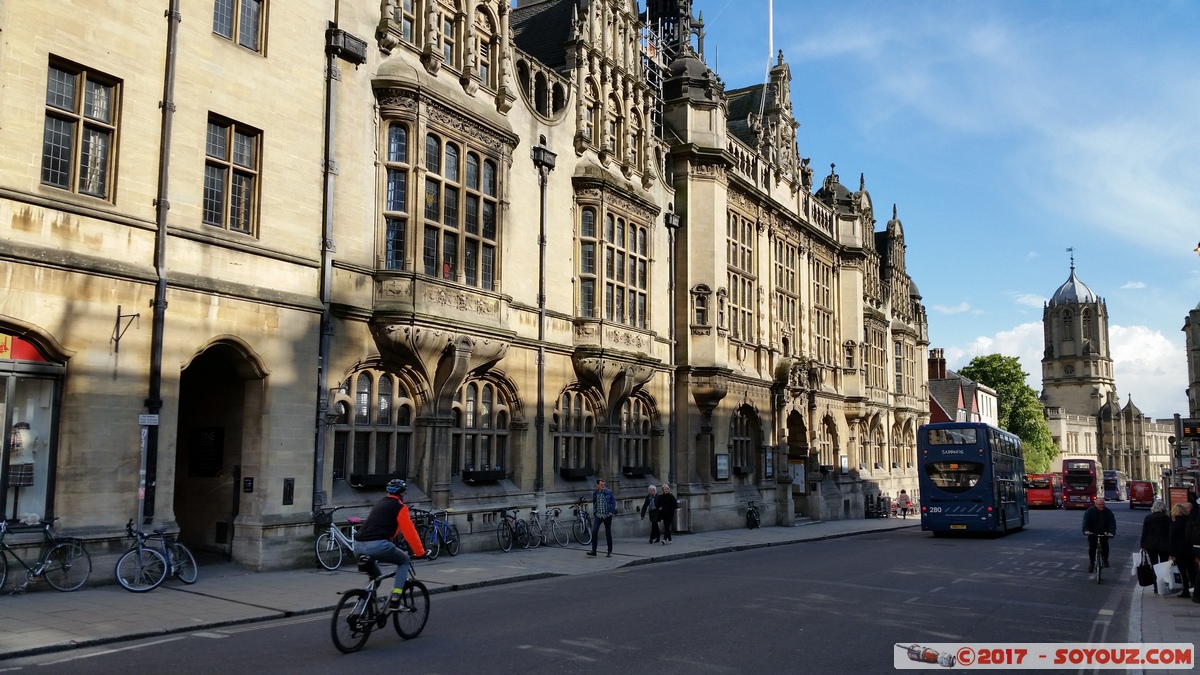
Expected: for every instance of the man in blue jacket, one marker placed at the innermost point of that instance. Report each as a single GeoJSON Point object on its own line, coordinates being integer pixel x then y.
{"type": "Point", "coordinates": [1100, 525]}
{"type": "Point", "coordinates": [604, 505]}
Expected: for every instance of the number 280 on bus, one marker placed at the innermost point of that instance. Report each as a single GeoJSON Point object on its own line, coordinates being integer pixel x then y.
{"type": "Point", "coordinates": [972, 478]}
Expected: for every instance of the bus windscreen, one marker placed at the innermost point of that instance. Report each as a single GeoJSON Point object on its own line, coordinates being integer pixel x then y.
{"type": "Point", "coordinates": [954, 477]}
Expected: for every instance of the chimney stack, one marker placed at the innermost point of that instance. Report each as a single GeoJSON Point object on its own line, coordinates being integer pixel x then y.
{"type": "Point", "coordinates": [937, 364]}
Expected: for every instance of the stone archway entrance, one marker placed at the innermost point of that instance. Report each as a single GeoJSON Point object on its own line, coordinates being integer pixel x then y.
{"type": "Point", "coordinates": [798, 450]}
{"type": "Point", "coordinates": [220, 403]}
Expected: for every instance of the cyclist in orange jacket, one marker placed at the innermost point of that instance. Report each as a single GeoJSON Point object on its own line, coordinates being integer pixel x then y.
{"type": "Point", "coordinates": [388, 520]}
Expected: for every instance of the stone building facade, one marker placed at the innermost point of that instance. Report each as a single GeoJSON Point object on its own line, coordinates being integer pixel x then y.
{"type": "Point", "coordinates": [278, 253]}
{"type": "Point", "coordinates": [1079, 390]}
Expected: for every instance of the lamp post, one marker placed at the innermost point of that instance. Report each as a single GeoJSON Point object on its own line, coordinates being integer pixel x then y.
{"type": "Point", "coordinates": [671, 221]}
{"type": "Point", "coordinates": [543, 159]}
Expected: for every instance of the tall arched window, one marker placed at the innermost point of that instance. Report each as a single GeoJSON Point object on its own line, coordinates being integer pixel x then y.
{"type": "Point", "coordinates": [1086, 317]}
{"type": "Point", "coordinates": [587, 262]}
{"type": "Point", "coordinates": [741, 440]}
{"type": "Point", "coordinates": [461, 234]}
{"type": "Point", "coordinates": [827, 433]}
{"type": "Point", "coordinates": [626, 270]}
{"type": "Point", "coordinates": [591, 113]}
{"type": "Point", "coordinates": [612, 126]}
{"type": "Point", "coordinates": [486, 49]}
{"type": "Point", "coordinates": [372, 430]}
{"type": "Point", "coordinates": [395, 208]}
{"type": "Point", "coordinates": [479, 441]}
{"type": "Point", "coordinates": [574, 432]}
{"type": "Point", "coordinates": [636, 139]}
{"type": "Point", "coordinates": [1068, 325]}
{"type": "Point", "coordinates": [635, 433]}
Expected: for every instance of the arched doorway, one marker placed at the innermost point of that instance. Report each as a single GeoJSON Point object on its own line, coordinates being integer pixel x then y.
{"type": "Point", "coordinates": [798, 448]}
{"type": "Point", "coordinates": [220, 417]}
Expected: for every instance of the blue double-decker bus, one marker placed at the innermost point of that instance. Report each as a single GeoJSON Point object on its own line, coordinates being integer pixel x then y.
{"type": "Point", "coordinates": [972, 478]}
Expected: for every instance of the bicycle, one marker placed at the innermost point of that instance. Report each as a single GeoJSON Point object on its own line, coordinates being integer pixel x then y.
{"type": "Point", "coordinates": [361, 611]}
{"type": "Point", "coordinates": [1099, 561]}
{"type": "Point", "coordinates": [144, 568]}
{"type": "Point", "coordinates": [331, 540]}
{"type": "Point", "coordinates": [62, 561]}
{"type": "Point", "coordinates": [752, 517]}
{"type": "Point", "coordinates": [540, 532]}
{"type": "Point", "coordinates": [439, 532]}
{"type": "Point", "coordinates": [582, 527]}
{"type": "Point", "coordinates": [181, 563]}
{"type": "Point", "coordinates": [510, 529]}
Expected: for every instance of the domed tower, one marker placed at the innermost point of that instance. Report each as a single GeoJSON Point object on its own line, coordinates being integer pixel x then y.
{"type": "Point", "coordinates": [1077, 370]}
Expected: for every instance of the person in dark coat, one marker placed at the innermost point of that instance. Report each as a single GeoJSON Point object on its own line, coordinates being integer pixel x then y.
{"type": "Point", "coordinates": [667, 504]}
{"type": "Point", "coordinates": [1099, 524]}
{"type": "Point", "coordinates": [650, 508]}
{"type": "Point", "coordinates": [1155, 531]}
{"type": "Point", "coordinates": [1181, 549]}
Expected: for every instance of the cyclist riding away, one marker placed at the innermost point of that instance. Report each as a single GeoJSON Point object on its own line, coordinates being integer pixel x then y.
{"type": "Point", "coordinates": [1100, 525]}
{"type": "Point", "coordinates": [388, 520]}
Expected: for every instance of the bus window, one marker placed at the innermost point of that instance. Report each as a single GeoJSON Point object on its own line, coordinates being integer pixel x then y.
{"type": "Point", "coordinates": [1079, 481]}
{"type": "Point", "coordinates": [952, 437]}
{"type": "Point", "coordinates": [954, 476]}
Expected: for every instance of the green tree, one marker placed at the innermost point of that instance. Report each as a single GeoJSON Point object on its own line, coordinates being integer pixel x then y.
{"type": "Point", "coordinates": [1019, 407]}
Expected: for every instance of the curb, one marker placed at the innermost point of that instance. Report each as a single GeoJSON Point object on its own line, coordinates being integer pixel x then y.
{"type": "Point", "coordinates": [450, 588]}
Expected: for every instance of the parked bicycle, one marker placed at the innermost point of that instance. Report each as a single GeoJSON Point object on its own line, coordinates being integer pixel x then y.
{"type": "Point", "coordinates": [144, 567]}
{"type": "Point", "coordinates": [361, 611]}
{"type": "Point", "coordinates": [332, 541]}
{"type": "Point", "coordinates": [752, 518]}
{"type": "Point", "coordinates": [541, 532]}
{"type": "Point", "coordinates": [582, 527]}
{"type": "Point", "coordinates": [62, 561]}
{"type": "Point", "coordinates": [438, 533]}
{"type": "Point", "coordinates": [510, 529]}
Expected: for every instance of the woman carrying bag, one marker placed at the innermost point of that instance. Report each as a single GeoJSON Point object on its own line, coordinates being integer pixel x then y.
{"type": "Point", "coordinates": [1156, 534]}
{"type": "Point", "coordinates": [1181, 549]}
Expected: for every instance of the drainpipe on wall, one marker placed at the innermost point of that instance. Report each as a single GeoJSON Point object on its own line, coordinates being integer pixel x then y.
{"type": "Point", "coordinates": [338, 44]}
{"type": "Point", "coordinates": [149, 460]}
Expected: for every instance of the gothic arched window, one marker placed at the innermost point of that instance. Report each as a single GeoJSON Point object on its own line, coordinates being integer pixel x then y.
{"type": "Point", "coordinates": [1068, 325]}
{"type": "Point", "coordinates": [376, 438]}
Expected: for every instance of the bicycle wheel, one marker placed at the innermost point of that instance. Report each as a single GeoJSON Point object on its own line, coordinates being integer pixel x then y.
{"type": "Point", "coordinates": [352, 621]}
{"type": "Point", "coordinates": [410, 619]}
{"type": "Point", "coordinates": [432, 542]}
{"type": "Point", "coordinates": [141, 569]}
{"type": "Point", "coordinates": [583, 531]}
{"type": "Point", "coordinates": [505, 536]}
{"type": "Point", "coordinates": [559, 532]}
{"type": "Point", "coordinates": [452, 540]}
{"type": "Point", "coordinates": [329, 552]}
{"type": "Point", "coordinates": [3, 569]}
{"type": "Point", "coordinates": [68, 566]}
{"type": "Point", "coordinates": [524, 534]}
{"type": "Point", "coordinates": [183, 563]}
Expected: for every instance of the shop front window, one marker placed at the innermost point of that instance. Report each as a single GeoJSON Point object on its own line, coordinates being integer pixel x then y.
{"type": "Point", "coordinates": [28, 387]}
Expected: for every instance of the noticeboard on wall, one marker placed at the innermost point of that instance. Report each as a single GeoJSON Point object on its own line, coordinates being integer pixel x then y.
{"type": "Point", "coordinates": [722, 466]}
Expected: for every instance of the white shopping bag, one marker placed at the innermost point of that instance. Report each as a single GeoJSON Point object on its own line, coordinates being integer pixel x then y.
{"type": "Point", "coordinates": [1168, 577]}
{"type": "Point", "coordinates": [1137, 560]}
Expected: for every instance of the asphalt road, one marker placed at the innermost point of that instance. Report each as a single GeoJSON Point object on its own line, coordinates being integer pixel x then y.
{"type": "Point", "coordinates": [834, 606]}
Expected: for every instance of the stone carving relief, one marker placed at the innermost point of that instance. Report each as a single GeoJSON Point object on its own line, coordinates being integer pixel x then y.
{"type": "Point", "coordinates": [443, 357]}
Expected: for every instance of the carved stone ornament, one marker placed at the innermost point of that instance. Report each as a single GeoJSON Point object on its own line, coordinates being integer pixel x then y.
{"type": "Point", "coordinates": [614, 378]}
{"type": "Point", "coordinates": [396, 100]}
{"type": "Point", "coordinates": [482, 135]}
{"type": "Point", "coordinates": [462, 301]}
{"type": "Point", "coordinates": [396, 288]}
{"type": "Point", "coordinates": [715, 171]}
{"type": "Point", "coordinates": [444, 358]}
{"type": "Point", "coordinates": [741, 200]}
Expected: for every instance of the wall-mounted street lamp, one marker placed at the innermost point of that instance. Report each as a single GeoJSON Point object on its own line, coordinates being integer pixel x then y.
{"type": "Point", "coordinates": [543, 159]}
{"type": "Point", "coordinates": [672, 222]}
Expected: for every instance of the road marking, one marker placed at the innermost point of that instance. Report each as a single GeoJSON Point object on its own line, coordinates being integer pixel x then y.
{"type": "Point", "coordinates": [935, 590]}
{"type": "Point", "coordinates": [271, 624]}
{"type": "Point", "coordinates": [1106, 612]}
{"type": "Point", "coordinates": [215, 636]}
{"type": "Point", "coordinates": [103, 652]}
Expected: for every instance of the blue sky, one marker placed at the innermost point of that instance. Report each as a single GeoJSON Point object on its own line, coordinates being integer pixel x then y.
{"type": "Point", "coordinates": [1006, 132]}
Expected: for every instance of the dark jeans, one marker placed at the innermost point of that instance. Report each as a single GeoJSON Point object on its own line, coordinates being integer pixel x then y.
{"type": "Point", "coordinates": [385, 551]}
{"type": "Point", "coordinates": [607, 521]}
{"type": "Point", "coordinates": [1187, 572]}
{"type": "Point", "coordinates": [1157, 556]}
{"type": "Point", "coordinates": [1092, 547]}
{"type": "Point", "coordinates": [666, 527]}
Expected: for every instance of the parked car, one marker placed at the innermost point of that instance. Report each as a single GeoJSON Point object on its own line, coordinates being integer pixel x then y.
{"type": "Point", "coordinates": [1141, 493]}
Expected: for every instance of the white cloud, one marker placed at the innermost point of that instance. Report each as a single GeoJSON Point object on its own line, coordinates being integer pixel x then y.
{"type": "Point", "coordinates": [1151, 368]}
{"type": "Point", "coordinates": [1032, 254]}
{"type": "Point", "coordinates": [1029, 299]}
{"type": "Point", "coordinates": [1134, 285]}
{"type": "Point", "coordinates": [1146, 364]}
{"type": "Point", "coordinates": [957, 309]}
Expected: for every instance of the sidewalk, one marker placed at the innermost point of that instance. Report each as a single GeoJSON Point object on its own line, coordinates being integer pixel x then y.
{"type": "Point", "coordinates": [48, 621]}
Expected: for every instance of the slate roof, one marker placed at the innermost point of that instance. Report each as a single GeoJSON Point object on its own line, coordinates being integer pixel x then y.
{"type": "Point", "coordinates": [742, 102]}
{"type": "Point", "coordinates": [1073, 290]}
{"type": "Point", "coordinates": [541, 29]}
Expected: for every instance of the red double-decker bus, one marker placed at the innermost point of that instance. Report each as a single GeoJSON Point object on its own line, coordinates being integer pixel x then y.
{"type": "Point", "coordinates": [1082, 479]}
{"type": "Point", "coordinates": [1044, 489]}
